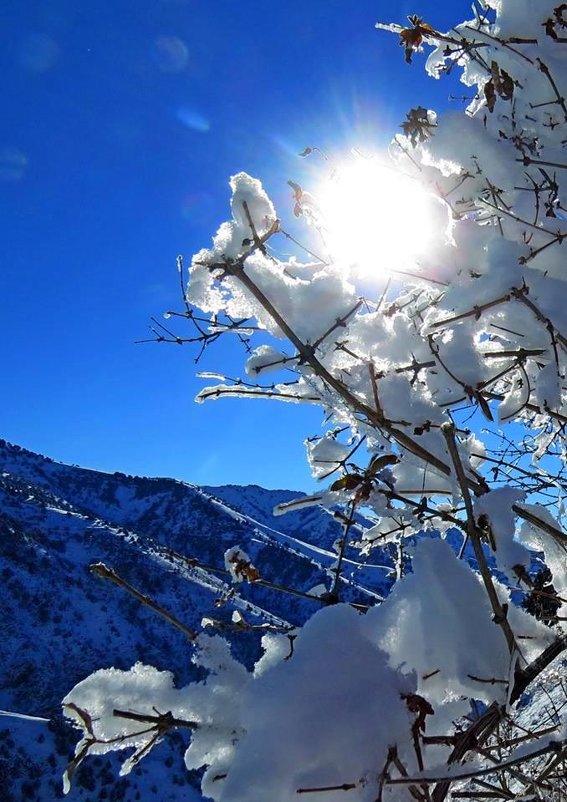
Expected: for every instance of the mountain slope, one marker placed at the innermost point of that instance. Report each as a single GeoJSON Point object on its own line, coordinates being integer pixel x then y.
{"type": "Point", "coordinates": [60, 622]}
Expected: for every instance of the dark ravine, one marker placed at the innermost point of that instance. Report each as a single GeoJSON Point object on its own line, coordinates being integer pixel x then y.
{"type": "Point", "coordinates": [60, 622]}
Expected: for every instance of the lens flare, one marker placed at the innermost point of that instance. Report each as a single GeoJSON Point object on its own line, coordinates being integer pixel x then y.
{"type": "Point", "coordinates": [170, 54]}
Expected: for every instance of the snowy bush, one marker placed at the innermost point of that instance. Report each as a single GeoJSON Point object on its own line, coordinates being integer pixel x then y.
{"type": "Point", "coordinates": [445, 402]}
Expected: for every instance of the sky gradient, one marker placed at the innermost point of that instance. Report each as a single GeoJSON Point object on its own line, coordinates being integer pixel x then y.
{"type": "Point", "coordinates": [122, 123]}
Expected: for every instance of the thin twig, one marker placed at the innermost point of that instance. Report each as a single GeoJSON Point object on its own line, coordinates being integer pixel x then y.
{"type": "Point", "coordinates": [102, 571]}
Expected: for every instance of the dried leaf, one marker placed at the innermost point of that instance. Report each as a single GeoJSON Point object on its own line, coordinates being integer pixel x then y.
{"type": "Point", "coordinates": [380, 462]}
{"type": "Point", "coordinates": [506, 90]}
{"type": "Point", "coordinates": [501, 83]}
{"type": "Point", "coordinates": [411, 38]}
{"type": "Point", "coordinates": [417, 704]}
{"type": "Point", "coordinates": [557, 21]}
{"type": "Point", "coordinates": [244, 568]}
{"type": "Point", "coordinates": [490, 95]}
{"type": "Point", "coordinates": [417, 127]}
{"type": "Point", "coordinates": [543, 601]}
{"type": "Point", "coordinates": [483, 404]}
{"type": "Point", "coordinates": [348, 482]}
{"type": "Point", "coordinates": [297, 191]}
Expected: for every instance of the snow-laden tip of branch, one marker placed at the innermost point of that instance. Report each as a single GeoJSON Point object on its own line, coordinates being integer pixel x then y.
{"type": "Point", "coordinates": [24, 716]}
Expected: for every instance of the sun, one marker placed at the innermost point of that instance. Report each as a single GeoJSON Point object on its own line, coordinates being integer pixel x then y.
{"type": "Point", "coordinates": [375, 218]}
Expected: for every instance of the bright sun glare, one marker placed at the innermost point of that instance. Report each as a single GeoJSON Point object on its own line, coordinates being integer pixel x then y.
{"type": "Point", "coordinates": [375, 217]}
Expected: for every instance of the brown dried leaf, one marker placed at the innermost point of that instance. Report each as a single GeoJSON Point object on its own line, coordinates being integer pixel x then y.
{"type": "Point", "coordinates": [557, 21]}
{"type": "Point", "coordinates": [348, 482]}
{"type": "Point", "coordinates": [380, 462]}
{"type": "Point", "coordinates": [244, 569]}
{"type": "Point", "coordinates": [297, 191]}
{"type": "Point", "coordinates": [411, 38]}
{"type": "Point", "coordinates": [506, 89]}
{"type": "Point", "coordinates": [417, 126]}
{"type": "Point", "coordinates": [417, 704]}
{"type": "Point", "coordinates": [490, 95]}
{"type": "Point", "coordinates": [483, 404]}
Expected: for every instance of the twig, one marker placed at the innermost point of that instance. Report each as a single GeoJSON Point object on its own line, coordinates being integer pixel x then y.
{"type": "Point", "coordinates": [236, 269]}
{"type": "Point", "coordinates": [101, 570]}
{"type": "Point", "coordinates": [323, 788]}
{"type": "Point", "coordinates": [474, 535]}
{"type": "Point", "coordinates": [162, 722]}
{"type": "Point", "coordinates": [524, 676]}
{"type": "Point", "coordinates": [553, 746]}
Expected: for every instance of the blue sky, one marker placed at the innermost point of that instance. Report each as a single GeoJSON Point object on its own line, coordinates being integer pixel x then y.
{"type": "Point", "coordinates": [121, 124]}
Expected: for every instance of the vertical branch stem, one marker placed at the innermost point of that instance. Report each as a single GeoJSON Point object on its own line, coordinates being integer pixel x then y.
{"type": "Point", "coordinates": [474, 534]}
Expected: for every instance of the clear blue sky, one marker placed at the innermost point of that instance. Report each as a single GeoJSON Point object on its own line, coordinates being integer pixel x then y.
{"type": "Point", "coordinates": [121, 123]}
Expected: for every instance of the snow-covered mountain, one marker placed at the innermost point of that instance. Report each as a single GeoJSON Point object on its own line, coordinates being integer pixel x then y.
{"type": "Point", "coordinates": [165, 538]}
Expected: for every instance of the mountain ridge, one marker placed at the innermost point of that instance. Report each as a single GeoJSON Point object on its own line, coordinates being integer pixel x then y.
{"type": "Point", "coordinates": [165, 537]}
